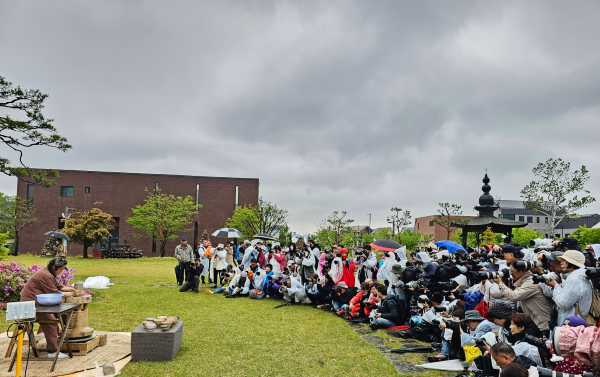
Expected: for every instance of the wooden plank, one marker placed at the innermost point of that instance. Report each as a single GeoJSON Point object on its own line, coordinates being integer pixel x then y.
{"type": "Point", "coordinates": [82, 349]}
{"type": "Point", "coordinates": [79, 299]}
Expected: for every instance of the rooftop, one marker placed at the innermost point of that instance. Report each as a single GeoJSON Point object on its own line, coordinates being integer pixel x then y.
{"type": "Point", "coordinates": [152, 174]}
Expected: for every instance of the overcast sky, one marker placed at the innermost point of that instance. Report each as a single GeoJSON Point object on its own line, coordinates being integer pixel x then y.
{"type": "Point", "coordinates": [335, 105]}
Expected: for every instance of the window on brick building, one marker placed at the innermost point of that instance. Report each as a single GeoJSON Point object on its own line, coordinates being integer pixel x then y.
{"type": "Point", "coordinates": [87, 190]}
{"type": "Point", "coordinates": [530, 219]}
{"type": "Point", "coordinates": [237, 196]}
{"type": "Point", "coordinates": [66, 190]}
{"type": "Point", "coordinates": [522, 218]}
{"type": "Point", "coordinates": [431, 223]}
{"type": "Point", "coordinates": [546, 221]}
{"type": "Point", "coordinates": [30, 195]}
{"type": "Point", "coordinates": [538, 220]}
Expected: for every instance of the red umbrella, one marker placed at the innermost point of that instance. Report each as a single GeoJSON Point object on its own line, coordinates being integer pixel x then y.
{"type": "Point", "coordinates": [386, 245]}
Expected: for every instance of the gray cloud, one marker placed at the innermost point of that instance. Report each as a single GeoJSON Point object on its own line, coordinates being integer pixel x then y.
{"type": "Point", "coordinates": [356, 106]}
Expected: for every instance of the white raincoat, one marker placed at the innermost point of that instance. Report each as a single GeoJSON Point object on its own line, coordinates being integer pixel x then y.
{"type": "Point", "coordinates": [249, 254]}
{"type": "Point", "coordinates": [259, 279]}
{"type": "Point", "coordinates": [368, 265]}
{"type": "Point", "coordinates": [337, 270]}
{"type": "Point", "coordinates": [245, 289]}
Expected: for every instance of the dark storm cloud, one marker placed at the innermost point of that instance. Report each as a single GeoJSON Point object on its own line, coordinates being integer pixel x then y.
{"type": "Point", "coordinates": [356, 106]}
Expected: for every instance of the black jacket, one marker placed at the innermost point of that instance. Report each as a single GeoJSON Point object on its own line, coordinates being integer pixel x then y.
{"type": "Point", "coordinates": [344, 298]}
{"type": "Point", "coordinates": [193, 272]}
{"type": "Point", "coordinates": [389, 309]}
{"type": "Point", "coordinates": [524, 361]}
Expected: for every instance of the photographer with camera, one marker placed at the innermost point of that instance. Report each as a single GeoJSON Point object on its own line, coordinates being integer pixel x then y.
{"type": "Point", "coordinates": [193, 278]}
{"type": "Point", "coordinates": [367, 263]}
{"type": "Point", "coordinates": [185, 256]}
{"type": "Point", "coordinates": [249, 253]}
{"type": "Point", "coordinates": [574, 296]}
{"type": "Point", "coordinates": [359, 305]}
{"type": "Point", "coordinates": [396, 286]}
{"type": "Point", "coordinates": [323, 296]}
{"type": "Point", "coordinates": [240, 251]}
{"type": "Point", "coordinates": [533, 301]}
{"type": "Point", "coordinates": [278, 259]}
{"type": "Point", "coordinates": [293, 291]}
{"type": "Point", "coordinates": [439, 279]}
{"type": "Point", "coordinates": [503, 354]}
{"type": "Point", "coordinates": [226, 275]}
{"type": "Point", "coordinates": [218, 262]}
{"type": "Point", "coordinates": [341, 296]}
{"type": "Point", "coordinates": [477, 326]}
{"type": "Point", "coordinates": [240, 285]}
{"type": "Point", "coordinates": [311, 287]}
{"type": "Point", "coordinates": [348, 268]}
{"type": "Point", "coordinates": [309, 263]}
{"type": "Point", "coordinates": [388, 312]}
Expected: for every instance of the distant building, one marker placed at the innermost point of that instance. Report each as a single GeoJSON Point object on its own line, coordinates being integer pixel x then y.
{"type": "Point", "coordinates": [119, 193]}
{"type": "Point", "coordinates": [516, 210]}
{"type": "Point", "coordinates": [426, 225]}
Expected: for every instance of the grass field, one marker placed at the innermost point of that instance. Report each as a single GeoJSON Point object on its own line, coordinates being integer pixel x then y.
{"type": "Point", "coordinates": [229, 337]}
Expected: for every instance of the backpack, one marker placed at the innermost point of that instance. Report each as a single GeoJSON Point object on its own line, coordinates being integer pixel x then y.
{"type": "Point", "coordinates": [401, 319]}
{"type": "Point", "coordinates": [422, 330]}
{"type": "Point", "coordinates": [451, 269]}
{"type": "Point", "coordinates": [594, 314]}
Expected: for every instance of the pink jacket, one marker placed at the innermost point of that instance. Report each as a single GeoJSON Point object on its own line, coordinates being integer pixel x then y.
{"type": "Point", "coordinates": [281, 259]}
{"type": "Point", "coordinates": [581, 343]}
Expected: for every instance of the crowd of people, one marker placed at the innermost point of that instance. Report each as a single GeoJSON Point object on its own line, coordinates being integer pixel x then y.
{"type": "Point", "coordinates": [495, 308]}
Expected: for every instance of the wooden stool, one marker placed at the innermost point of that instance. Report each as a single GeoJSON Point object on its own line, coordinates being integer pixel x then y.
{"type": "Point", "coordinates": [29, 331]}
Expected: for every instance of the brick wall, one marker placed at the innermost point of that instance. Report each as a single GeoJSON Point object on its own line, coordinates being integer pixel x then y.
{"type": "Point", "coordinates": [422, 225]}
{"type": "Point", "coordinates": [119, 192]}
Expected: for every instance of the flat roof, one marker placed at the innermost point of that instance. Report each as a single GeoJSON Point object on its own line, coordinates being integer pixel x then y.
{"type": "Point", "coordinates": [159, 174]}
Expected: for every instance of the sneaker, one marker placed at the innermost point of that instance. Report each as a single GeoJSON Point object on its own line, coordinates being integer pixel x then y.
{"type": "Point", "coordinates": [196, 291]}
{"type": "Point", "coordinates": [60, 355]}
{"type": "Point", "coordinates": [373, 326]}
{"type": "Point", "coordinates": [229, 296]}
{"type": "Point", "coordinates": [333, 309]}
{"type": "Point", "coordinates": [320, 306]}
{"type": "Point", "coordinates": [209, 292]}
{"type": "Point", "coordinates": [214, 286]}
{"type": "Point", "coordinates": [436, 345]}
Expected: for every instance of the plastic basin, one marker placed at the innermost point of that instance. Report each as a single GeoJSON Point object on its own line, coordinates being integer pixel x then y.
{"type": "Point", "coordinates": [49, 299]}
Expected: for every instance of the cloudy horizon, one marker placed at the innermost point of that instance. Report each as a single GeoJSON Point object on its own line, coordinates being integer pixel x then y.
{"type": "Point", "coordinates": [333, 105]}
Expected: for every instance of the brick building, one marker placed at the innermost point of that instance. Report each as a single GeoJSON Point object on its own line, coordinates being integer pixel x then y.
{"type": "Point", "coordinates": [426, 225]}
{"type": "Point", "coordinates": [119, 193]}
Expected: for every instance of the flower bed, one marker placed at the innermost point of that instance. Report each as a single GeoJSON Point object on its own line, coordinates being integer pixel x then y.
{"type": "Point", "coordinates": [14, 275]}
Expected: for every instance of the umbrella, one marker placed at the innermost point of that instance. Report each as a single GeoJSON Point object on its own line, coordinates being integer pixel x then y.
{"type": "Point", "coordinates": [57, 235]}
{"type": "Point", "coordinates": [228, 233]}
{"type": "Point", "coordinates": [451, 246]}
{"type": "Point", "coordinates": [386, 245]}
{"type": "Point", "coordinates": [264, 236]}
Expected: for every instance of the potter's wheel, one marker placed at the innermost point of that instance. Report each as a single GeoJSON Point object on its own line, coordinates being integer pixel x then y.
{"type": "Point", "coordinates": [82, 339]}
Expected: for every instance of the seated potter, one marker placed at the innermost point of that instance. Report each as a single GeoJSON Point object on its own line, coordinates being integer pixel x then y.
{"type": "Point", "coordinates": [43, 282]}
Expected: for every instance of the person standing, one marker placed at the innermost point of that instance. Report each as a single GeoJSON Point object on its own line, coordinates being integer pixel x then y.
{"type": "Point", "coordinates": [218, 263]}
{"type": "Point", "coordinates": [185, 256]}
{"type": "Point", "coordinates": [367, 263]}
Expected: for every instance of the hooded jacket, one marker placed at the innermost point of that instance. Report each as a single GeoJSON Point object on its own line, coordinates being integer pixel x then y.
{"type": "Point", "coordinates": [533, 301]}
{"type": "Point", "coordinates": [236, 280]}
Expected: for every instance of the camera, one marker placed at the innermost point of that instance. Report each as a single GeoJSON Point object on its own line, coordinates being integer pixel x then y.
{"type": "Point", "coordinates": [282, 289]}
{"type": "Point", "coordinates": [545, 278]}
{"type": "Point", "coordinates": [493, 274]}
{"type": "Point", "coordinates": [520, 265]}
{"type": "Point", "coordinates": [441, 309]}
{"type": "Point", "coordinates": [359, 253]}
{"type": "Point", "coordinates": [439, 321]}
{"type": "Point", "coordinates": [310, 280]}
{"type": "Point", "coordinates": [592, 273]}
{"type": "Point", "coordinates": [535, 341]}
{"type": "Point", "coordinates": [321, 280]}
{"type": "Point", "coordinates": [412, 284]}
{"type": "Point", "coordinates": [491, 256]}
{"type": "Point", "coordinates": [300, 254]}
{"type": "Point", "coordinates": [373, 314]}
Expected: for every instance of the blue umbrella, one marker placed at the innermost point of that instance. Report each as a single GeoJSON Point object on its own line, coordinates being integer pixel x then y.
{"type": "Point", "coordinates": [451, 246]}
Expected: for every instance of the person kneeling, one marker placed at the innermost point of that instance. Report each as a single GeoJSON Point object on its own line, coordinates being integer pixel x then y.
{"type": "Point", "coordinates": [385, 316]}
{"type": "Point", "coordinates": [240, 285]}
{"type": "Point", "coordinates": [193, 277]}
{"type": "Point", "coordinates": [293, 291]}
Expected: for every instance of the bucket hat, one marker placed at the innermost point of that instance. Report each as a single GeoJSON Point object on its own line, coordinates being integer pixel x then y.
{"type": "Point", "coordinates": [473, 315]}
{"type": "Point", "coordinates": [574, 257]}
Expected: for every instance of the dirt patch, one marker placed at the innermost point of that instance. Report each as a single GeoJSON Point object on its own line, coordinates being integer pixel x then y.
{"type": "Point", "coordinates": [364, 331]}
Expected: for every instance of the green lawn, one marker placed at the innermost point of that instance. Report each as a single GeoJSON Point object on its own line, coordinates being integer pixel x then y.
{"type": "Point", "coordinates": [228, 337]}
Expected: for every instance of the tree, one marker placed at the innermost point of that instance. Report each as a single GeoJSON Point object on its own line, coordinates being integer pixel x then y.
{"type": "Point", "coordinates": [489, 237]}
{"type": "Point", "coordinates": [399, 219]}
{"type": "Point", "coordinates": [335, 227]}
{"type": "Point", "coordinates": [285, 236]}
{"type": "Point", "coordinates": [266, 218]}
{"type": "Point", "coordinates": [382, 233]}
{"type": "Point", "coordinates": [411, 239]}
{"type": "Point", "coordinates": [163, 217]}
{"type": "Point", "coordinates": [554, 193]}
{"type": "Point", "coordinates": [23, 213]}
{"type": "Point", "coordinates": [586, 236]}
{"type": "Point", "coordinates": [88, 228]}
{"type": "Point", "coordinates": [7, 214]}
{"type": "Point", "coordinates": [32, 131]}
{"type": "Point", "coordinates": [448, 217]}
{"type": "Point", "coordinates": [522, 236]}
{"type": "Point", "coordinates": [471, 238]}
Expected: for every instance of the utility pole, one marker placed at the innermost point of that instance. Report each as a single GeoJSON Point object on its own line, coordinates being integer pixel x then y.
{"type": "Point", "coordinates": [369, 221]}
